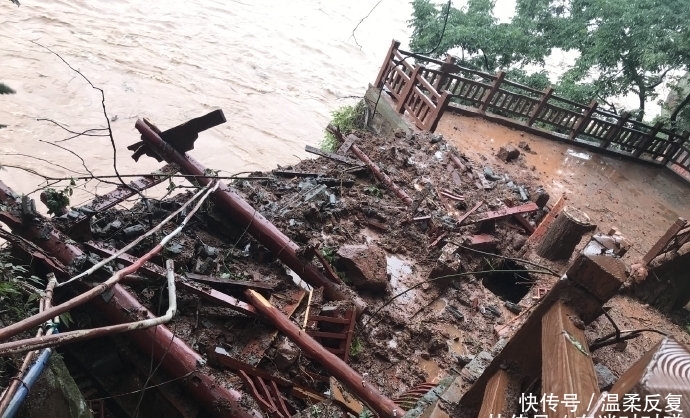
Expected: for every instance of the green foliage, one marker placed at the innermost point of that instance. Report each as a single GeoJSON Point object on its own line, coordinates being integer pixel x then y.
{"type": "Point", "coordinates": [329, 254]}
{"type": "Point", "coordinates": [623, 46]}
{"type": "Point", "coordinates": [5, 89]}
{"type": "Point", "coordinates": [14, 302]}
{"type": "Point", "coordinates": [483, 42]}
{"type": "Point", "coordinates": [366, 414]}
{"type": "Point", "coordinates": [373, 191]}
{"type": "Point", "coordinates": [58, 200]}
{"type": "Point", "coordinates": [347, 119]}
{"type": "Point", "coordinates": [355, 348]}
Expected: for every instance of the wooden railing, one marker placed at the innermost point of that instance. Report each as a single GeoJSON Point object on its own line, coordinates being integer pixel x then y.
{"type": "Point", "coordinates": [425, 87]}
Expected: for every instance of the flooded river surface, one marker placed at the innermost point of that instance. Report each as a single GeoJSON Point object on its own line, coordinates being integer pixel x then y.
{"type": "Point", "coordinates": [276, 68]}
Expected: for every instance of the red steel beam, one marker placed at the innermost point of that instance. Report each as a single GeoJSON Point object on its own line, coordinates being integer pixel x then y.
{"type": "Point", "coordinates": [245, 216]}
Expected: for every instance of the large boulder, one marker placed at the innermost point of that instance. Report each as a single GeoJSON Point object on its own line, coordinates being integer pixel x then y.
{"type": "Point", "coordinates": [364, 265]}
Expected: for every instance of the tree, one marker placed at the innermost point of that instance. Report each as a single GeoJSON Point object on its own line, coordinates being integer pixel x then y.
{"type": "Point", "coordinates": [482, 42]}
{"type": "Point", "coordinates": [624, 46]}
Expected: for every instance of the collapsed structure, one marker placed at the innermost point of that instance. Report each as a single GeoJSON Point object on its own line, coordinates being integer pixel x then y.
{"type": "Point", "coordinates": [397, 248]}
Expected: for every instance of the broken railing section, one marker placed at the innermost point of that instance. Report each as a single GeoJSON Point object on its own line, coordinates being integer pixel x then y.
{"type": "Point", "coordinates": [675, 237]}
{"type": "Point", "coordinates": [359, 387]}
{"type": "Point", "coordinates": [175, 356]}
{"type": "Point", "coordinates": [263, 386]}
{"type": "Point", "coordinates": [551, 340]}
{"type": "Point", "coordinates": [246, 217]}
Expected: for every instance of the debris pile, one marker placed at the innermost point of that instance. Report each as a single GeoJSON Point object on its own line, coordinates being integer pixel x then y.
{"type": "Point", "coordinates": [352, 282]}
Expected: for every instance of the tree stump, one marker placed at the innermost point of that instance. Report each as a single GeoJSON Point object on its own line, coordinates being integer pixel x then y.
{"type": "Point", "coordinates": [563, 235]}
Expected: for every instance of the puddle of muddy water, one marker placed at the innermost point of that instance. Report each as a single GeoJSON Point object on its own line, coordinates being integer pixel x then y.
{"type": "Point", "coordinates": [455, 344]}
{"type": "Point", "coordinates": [432, 370]}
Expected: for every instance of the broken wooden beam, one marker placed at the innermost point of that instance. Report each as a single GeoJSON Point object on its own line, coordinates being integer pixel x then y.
{"type": "Point", "coordinates": [245, 216]}
{"type": "Point", "coordinates": [564, 234]}
{"type": "Point", "coordinates": [567, 366]}
{"type": "Point", "coordinates": [359, 387]}
{"type": "Point", "coordinates": [589, 283]}
{"type": "Point", "coordinates": [331, 156]}
{"type": "Point", "coordinates": [540, 230]}
{"type": "Point", "coordinates": [494, 401]}
{"type": "Point", "coordinates": [505, 212]}
{"type": "Point", "coordinates": [664, 370]}
{"type": "Point", "coordinates": [658, 247]}
{"type": "Point", "coordinates": [176, 357]}
{"type": "Point", "coordinates": [380, 175]}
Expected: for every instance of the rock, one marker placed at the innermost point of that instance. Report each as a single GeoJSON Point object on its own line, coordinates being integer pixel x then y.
{"type": "Point", "coordinates": [508, 153]}
{"type": "Point", "coordinates": [447, 264]}
{"type": "Point", "coordinates": [55, 394]}
{"type": "Point", "coordinates": [437, 346]}
{"type": "Point", "coordinates": [364, 265]}
{"type": "Point", "coordinates": [518, 241]}
{"type": "Point", "coordinates": [605, 377]}
{"type": "Point", "coordinates": [286, 355]}
{"type": "Point", "coordinates": [525, 146]}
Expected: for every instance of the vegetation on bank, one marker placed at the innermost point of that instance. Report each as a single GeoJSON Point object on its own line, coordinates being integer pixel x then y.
{"type": "Point", "coordinates": [347, 119]}
{"type": "Point", "coordinates": [621, 46]}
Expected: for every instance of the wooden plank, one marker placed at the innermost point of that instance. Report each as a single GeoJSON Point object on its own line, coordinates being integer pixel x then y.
{"type": "Point", "coordinates": [663, 241]}
{"type": "Point", "coordinates": [539, 232]}
{"type": "Point", "coordinates": [213, 295]}
{"type": "Point", "coordinates": [567, 366]}
{"type": "Point", "coordinates": [506, 212]}
{"type": "Point", "coordinates": [331, 156]}
{"type": "Point", "coordinates": [494, 400]}
{"type": "Point", "coordinates": [251, 284]}
{"type": "Point", "coordinates": [464, 216]}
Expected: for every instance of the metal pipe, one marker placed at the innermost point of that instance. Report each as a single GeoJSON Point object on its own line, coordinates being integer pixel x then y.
{"type": "Point", "coordinates": [28, 380]}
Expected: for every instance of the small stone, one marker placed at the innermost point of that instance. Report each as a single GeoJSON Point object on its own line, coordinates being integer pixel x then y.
{"type": "Point", "coordinates": [365, 265]}
{"type": "Point", "coordinates": [286, 354]}
{"type": "Point", "coordinates": [508, 153]}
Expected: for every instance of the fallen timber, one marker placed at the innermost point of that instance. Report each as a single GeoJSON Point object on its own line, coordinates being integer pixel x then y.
{"type": "Point", "coordinates": [174, 355]}
{"type": "Point", "coordinates": [245, 216]}
{"type": "Point", "coordinates": [383, 406]}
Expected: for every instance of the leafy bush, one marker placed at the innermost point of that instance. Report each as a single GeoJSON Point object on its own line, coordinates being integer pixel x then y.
{"type": "Point", "coordinates": [347, 119]}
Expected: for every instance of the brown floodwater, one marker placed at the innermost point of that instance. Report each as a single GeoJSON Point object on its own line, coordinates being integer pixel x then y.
{"type": "Point", "coordinates": [276, 68]}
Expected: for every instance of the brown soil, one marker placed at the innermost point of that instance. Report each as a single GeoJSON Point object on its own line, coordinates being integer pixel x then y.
{"type": "Point", "coordinates": [417, 330]}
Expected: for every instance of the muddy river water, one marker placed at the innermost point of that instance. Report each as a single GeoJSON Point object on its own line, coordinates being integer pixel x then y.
{"type": "Point", "coordinates": [276, 68]}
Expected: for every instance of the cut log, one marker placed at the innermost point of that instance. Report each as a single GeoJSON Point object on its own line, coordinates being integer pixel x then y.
{"type": "Point", "coordinates": [564, 234]}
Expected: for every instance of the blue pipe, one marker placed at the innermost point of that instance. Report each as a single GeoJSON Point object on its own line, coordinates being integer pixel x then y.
{"type": "Point", "coordinates": [29, 380]}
